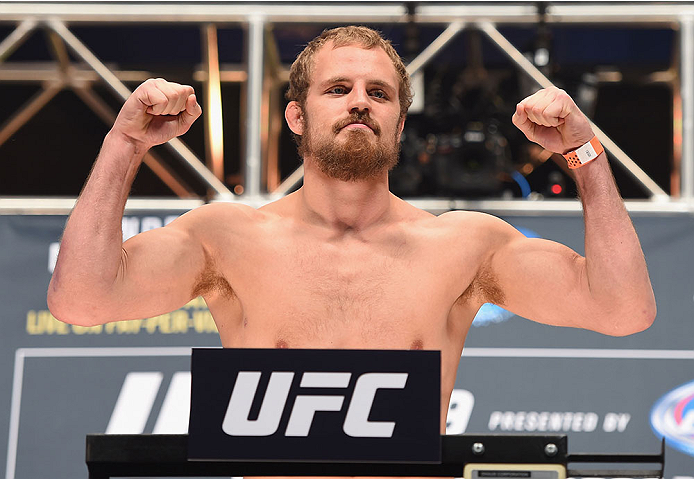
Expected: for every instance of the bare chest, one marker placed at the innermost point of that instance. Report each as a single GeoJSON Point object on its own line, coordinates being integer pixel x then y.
{"type": "Point", "coordinates": [349, 294]}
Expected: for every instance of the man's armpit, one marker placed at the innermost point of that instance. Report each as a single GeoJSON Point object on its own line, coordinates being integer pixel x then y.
{"type": "Point", "coordinates": [210, 280]}
{"type": "Point", "coordinates": [484, 286]}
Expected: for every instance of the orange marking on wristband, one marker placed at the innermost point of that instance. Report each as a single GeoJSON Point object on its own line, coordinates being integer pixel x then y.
{"type": "Point", "coordinates": [584, 154]}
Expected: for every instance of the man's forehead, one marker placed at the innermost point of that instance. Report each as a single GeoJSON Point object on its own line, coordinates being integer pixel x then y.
{"type": "Point", "coordinates": [338, 61]}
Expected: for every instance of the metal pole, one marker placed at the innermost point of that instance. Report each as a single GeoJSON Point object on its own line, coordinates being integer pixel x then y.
{"type": "Point", "coordinates": [254, 105]}
{"type": "Point", "coordinates": [15, 38]}
{"type": "Point", "coordinates": [434, 47]}
{"type": "Point", "coordinates": [687, 89]}
{"type": "Point", "coordinates": [57, 46]}
{"type": "Point", "coordinates": [214, 126]}
{"type": "Point", "coordinates": [273, 117]}
{"type": "Point", "coordinates": [622, 158]}
{"type": "Point", "coordinates": [291, 181]}
{"type": "Point", "coordinates": [437, 13]}
{"type": "Point", "coordinates": [82, 51]}
{"type": "Point", "coordinates": [517, 57]}
{"type": "Point", "coordinates": [21, 117]}
{"type": "Point", "coordinates": [178, 147]}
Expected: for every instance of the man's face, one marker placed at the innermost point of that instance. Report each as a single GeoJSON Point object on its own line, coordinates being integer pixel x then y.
{"type": "Point", "coordinates": [351, 117]}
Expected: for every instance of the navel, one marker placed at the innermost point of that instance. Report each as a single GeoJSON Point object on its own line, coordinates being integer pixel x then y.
{"type": "Point", "coordinates": [417, 344]}
{"type": "Point", "coordinates": [281, 344]}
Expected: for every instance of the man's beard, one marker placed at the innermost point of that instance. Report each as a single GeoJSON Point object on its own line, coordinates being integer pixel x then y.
{"type": "Point", "coordinates": [358, 158]}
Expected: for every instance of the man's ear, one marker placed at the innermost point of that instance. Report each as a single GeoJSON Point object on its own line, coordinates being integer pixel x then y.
{"type": "Point", "coordinates": [295, 117]}
{"type": "Point", "coordinates": [401, 126]}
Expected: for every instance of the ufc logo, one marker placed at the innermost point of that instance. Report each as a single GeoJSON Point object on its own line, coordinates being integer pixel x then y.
{"type": "Point", "coordinates": [356, 424]}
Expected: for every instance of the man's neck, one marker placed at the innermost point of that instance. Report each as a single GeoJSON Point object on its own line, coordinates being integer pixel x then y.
{"type": "Point", "coordinates": [343, 205]}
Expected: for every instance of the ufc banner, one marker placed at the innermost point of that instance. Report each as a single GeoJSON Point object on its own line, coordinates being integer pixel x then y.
{"type": "Point", "coordinates": [315, 405]}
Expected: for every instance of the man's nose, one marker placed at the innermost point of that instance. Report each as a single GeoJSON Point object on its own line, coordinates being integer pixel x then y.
{"type": "Point", "coordinates": [359, 100]}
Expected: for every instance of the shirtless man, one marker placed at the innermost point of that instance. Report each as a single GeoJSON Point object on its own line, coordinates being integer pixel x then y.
{"type": "Point", "coordinates": [343, 263]}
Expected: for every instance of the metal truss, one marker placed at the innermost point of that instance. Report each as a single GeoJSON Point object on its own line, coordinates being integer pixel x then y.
{"type": "Point", "coordinates": [57, 17]}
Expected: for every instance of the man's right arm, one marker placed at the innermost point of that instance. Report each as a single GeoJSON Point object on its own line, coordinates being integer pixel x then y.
{"type": "Point", "coordinates": [96, 278]}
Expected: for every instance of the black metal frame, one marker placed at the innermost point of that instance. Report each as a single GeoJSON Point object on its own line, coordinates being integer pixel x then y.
{"type": "Point", "coordinates": [167, 456]}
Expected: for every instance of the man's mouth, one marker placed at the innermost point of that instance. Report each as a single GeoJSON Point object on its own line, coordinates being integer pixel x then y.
{"type": "Point", "coordinates": [357, 124]}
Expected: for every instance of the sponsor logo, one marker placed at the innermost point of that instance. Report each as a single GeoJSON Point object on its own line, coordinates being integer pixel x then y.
{"type": "Point", "coordinates": [545, 421]}
{"type": "Point", "coordinates": [313, 404]}
{"type": "Point", "coordinates": [356, 424]}
{"type": "Point", "coordinates": [672, 418]}
{"type": "Point", "coordinates": [135, 406]}
{"type": "Point", "coordinates": [491, 313]}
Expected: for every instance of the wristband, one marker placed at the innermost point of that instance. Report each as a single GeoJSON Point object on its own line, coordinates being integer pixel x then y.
{"type": "Point", "coordinates": [584, 154]}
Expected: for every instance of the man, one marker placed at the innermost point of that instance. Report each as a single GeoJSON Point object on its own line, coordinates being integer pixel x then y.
{"type": "Point", "coordinates": [342, 263]}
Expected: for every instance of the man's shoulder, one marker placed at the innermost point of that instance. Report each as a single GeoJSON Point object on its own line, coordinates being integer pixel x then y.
{"type": "Point", "coordinates": [485, 230]}
{"type": "Point", "coordinates": [467, 227]}
{"type": "Point", "coordinates": [222, 216]}
{"type": "Point", "coordinates": [223, 210]}
{"type": "Point", "coordinates": [470, 221]}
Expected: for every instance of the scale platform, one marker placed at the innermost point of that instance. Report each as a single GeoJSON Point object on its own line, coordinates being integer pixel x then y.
{"type": "Point", "coordinates": [470, 456]}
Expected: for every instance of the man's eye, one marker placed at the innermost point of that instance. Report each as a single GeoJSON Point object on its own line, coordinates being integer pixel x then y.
{"type": "Point", "coordinates": [379, 94]}
{"type": "Point", "coordinates": [338, 90]}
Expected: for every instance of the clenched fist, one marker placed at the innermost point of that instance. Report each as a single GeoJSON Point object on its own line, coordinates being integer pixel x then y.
{"type": "Point", "coordinates": [551, 119]}
{"type": "Point", "coordinates": [156, 112]}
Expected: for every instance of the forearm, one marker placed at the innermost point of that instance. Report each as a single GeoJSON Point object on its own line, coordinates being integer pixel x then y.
{"type": "Point", "coordinates": [615, 267]}
{"type": "Point", "coordinates": [91, 248]}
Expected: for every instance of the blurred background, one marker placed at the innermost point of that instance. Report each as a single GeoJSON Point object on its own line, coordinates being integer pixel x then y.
{"type": "Point", "coordinates": [61, 83]}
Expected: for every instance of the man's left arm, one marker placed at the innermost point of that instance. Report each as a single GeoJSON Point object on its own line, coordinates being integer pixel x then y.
{"type": "Point", "coordinates": [608, 290]}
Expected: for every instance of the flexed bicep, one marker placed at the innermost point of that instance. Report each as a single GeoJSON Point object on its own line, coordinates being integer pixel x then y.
{"type": "Point", "coordinates": [537, 279]}
{"type": "Point", "coordinates": [544, 281]}
{"type": "Point", "coordinates": [159, 272]}
{"type": "Point", "coordinates": [155, 273]}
